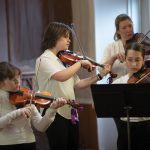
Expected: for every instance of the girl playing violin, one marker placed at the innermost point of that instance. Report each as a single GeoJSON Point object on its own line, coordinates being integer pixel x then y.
{"type": "Point", "coordinates": [140, 126]}
{"type": "Point", "coordinates": [52, 75]}
{"type": "Point", "coordinates": [15, 124]}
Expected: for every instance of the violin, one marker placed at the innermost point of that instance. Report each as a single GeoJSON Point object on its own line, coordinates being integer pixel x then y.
{"type": "Point", "coordinates": [144, 40]}
{"type": "Point", "coordinates": [143, 76]}
{"type": "Point", "coordinates": [70, 58]}
{"type": "Point", "coordinates": [41, 99]}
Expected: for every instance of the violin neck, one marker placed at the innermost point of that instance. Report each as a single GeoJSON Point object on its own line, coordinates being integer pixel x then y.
{"type": "Point", "coordinates": [41, 96]}
{"type": "Point", "coordinates": [94, 62]}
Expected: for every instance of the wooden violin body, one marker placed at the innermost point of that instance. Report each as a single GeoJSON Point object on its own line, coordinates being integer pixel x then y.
{"type": "Point", "coordinates": [68, 57]}
{"type": "Point", "coordinates": [141, 77]}
{"type": "Point", "coordinates": [24, 95]}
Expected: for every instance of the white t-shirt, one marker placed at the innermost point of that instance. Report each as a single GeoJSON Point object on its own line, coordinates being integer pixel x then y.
{"type": "Point", "coordinates": [47, 65]}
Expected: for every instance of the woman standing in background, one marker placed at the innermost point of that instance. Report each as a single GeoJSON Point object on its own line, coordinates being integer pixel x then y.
{"type": "Point", "coordinates": [114, 52]}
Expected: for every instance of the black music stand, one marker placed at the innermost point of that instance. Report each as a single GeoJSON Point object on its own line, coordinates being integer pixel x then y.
{"type": "Point", "coordinates": [121, 100]}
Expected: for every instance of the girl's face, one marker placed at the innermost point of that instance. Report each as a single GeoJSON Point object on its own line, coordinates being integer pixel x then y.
{"type": "Point", "coordinates": [134, 61]}
{"type": "Point", "coordinates": [125, 30]}
{"type": "Point", "coordinates": [11, 85]}
{"type": "Point", "coordinates": [63, 43]}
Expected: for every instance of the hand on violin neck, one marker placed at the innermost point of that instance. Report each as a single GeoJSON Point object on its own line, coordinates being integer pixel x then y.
{"type": "Point", "coordinates": [58, 103]}
{"type": "Point", "coordinates": [86, 64]}
{"type": "Point", "coordinates": [105, 70]}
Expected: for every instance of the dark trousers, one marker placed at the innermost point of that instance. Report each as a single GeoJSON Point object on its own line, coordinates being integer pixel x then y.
{"type": "Point", "coordinates": [63, 135]}
{"type": "Point", "coordinates": [27, 146]}
{"type": "Point", "coordinates": [139, 135]}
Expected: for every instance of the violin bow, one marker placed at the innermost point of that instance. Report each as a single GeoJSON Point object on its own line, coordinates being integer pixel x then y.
{"type": "Point", "coordinates": [144, 76]}
{"type": "Point", "coordinates": [142, 39]}
{"type": "Point", "coordinates": [83, 53]}
{"type": "Point", "coordinates": [81, 48]}
{"type": "Point", "coordinates": [77, 39]}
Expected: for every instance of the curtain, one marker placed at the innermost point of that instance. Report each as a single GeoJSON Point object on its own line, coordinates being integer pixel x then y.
{"type": "Point", "coordinates": [84, 22]}
{"type": "Point", "coordinates": [22, 26]}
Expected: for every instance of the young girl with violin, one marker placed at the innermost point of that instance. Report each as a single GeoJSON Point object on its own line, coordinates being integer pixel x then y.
{"type": "Point", "coordinates": [140, 126]}
{"type": "Point", "coordinates": [60, 80]}
{"type": "Point", "coordinates": [15, 124]}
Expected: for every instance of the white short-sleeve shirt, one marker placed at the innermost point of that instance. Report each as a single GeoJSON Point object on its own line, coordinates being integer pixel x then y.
{"type": "Point", "coordinates": [47, 65]}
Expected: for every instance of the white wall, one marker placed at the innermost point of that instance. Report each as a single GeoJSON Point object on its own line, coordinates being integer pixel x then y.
{"type": "Point", "coordinates": [105, 14]}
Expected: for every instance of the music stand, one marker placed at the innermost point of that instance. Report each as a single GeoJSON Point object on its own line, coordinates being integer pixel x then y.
{"type": "Point", "coordinates": [121, 100]}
